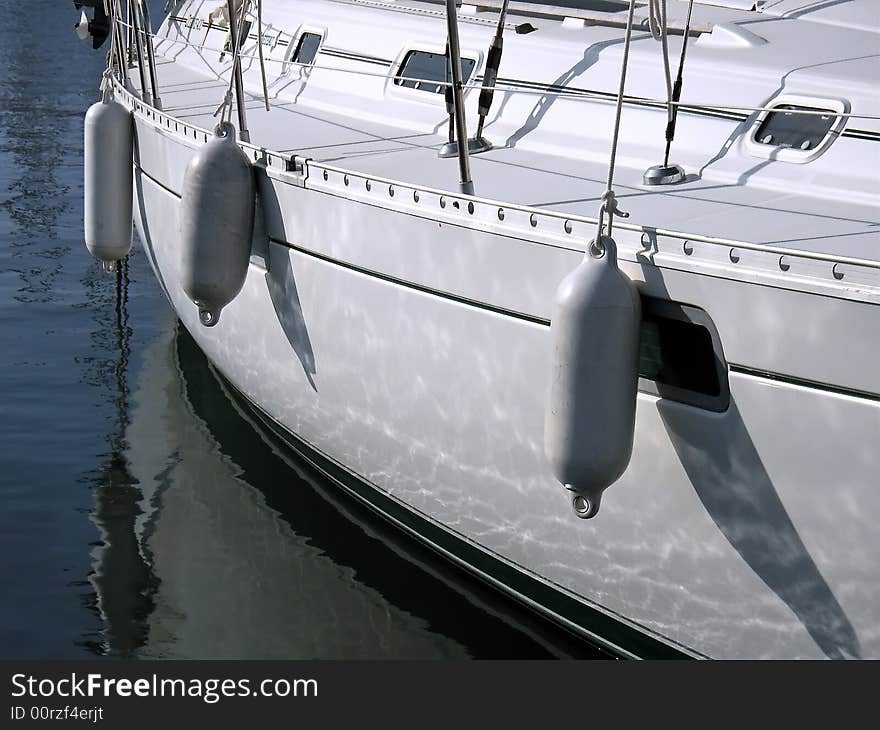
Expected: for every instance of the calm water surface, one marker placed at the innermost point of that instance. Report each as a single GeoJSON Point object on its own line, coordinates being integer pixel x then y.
{"type": "Point", "coordinates": [143, 513]}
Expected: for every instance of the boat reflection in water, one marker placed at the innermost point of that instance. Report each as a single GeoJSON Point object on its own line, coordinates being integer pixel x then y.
{"type": "Point", "coordinates": [217, 545]}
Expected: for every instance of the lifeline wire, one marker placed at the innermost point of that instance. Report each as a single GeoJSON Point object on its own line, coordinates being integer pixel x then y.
{"type": "Point", "coordinates": [139, 46]}
{"type": "Point", "coordinates": [676, 92]}
{"type": "Point", "coordinates": [260, 48]}
{"type": "Point", "coordinates": [657, 25]}
{"type": "Point", "coordinates": [113, 53]}
{"type": "Point", "coordinates": [578, 95]}
{"type": "Point", "coordinates": [225, 108]}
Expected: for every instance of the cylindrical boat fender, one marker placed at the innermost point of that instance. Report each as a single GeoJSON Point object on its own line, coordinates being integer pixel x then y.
{"type": "Point", "coordinates": [216, 224]}
{"type": "Point", "coordinates": [590, 412]}
{"type": "Point", "coordinates": [108, 181]}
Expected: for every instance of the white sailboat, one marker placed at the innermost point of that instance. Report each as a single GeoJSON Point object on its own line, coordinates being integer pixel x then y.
{"type": "Point", "coordinates": [474, 340]}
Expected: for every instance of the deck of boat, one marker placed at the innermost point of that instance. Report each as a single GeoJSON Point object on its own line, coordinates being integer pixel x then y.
{"type": "Point", "coordinates": [699, 206]}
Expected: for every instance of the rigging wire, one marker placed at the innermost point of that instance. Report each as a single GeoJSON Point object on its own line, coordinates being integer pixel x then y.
{"type": "Point", "coordinates": [609, 205]}
{"type": "Point", "coordinates": [225, 108]}
{"type": "Point", "coordinates": [657, 25]}
{"type": "Point", "coordinates": [676, 89]}
{"type": "Point", "coordinates": [490, 76]}
{"type": "Point", "coordinates": [116, 40]}
{"type": "Point", "coordinates": [573, 93]}
{"type": "Point", "coordinates": [146, 23]}
{"type": "Point", "coordinates": [139, 45]}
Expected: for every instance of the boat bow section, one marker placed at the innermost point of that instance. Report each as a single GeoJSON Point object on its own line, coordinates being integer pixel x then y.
{"type": "Point", "coordinates": [401, 330]}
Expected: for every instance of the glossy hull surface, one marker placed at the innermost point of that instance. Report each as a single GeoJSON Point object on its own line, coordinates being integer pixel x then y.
{"type": "Point", "coordinates": [745, 533]}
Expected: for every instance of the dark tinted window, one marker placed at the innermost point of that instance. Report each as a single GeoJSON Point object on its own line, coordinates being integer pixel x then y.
{"type": "Point", "coordinates": [307, 48]}
{"type": "Point", "coordinates": [420, 68]}
{"type": "Point", "coordinates": [680, 355]}
{"type": "Point", "coordinates": [784, 128]}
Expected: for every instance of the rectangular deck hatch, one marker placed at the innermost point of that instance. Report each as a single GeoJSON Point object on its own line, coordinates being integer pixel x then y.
{"type": "Point", "coordinates": [796, 128]}
{"type": "Point", "coordinates": [784, 127]}
{"type": "Point", "coordinates": [303, 50]}
{"type": "Point", "coordinates": [419, 68]}
{"type": "Point", "coordinates": [307, 48]}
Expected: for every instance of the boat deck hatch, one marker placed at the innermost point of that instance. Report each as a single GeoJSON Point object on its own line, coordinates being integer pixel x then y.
{"type": "Point", "coordinates": [419, 68]}
{"type": "Point", "coordinates": [782, 127]}
{"type": "Point", "coordinates": [303, 51]}
{"type": "Point", "coordinates": [680, 355]}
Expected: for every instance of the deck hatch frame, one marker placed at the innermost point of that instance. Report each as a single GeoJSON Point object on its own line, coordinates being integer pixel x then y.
{"type": "Point", "coordinates": [394, 88]}
{"type": "Point", "coordinates": [837, 107]}
{"type": "Point", "coordinates": [290, 59]}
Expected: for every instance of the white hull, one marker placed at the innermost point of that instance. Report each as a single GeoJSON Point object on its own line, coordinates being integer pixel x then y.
{"type": "Point", "coordinates": [440, 404]}
{"type": "Point", "coordinates": [401, 335]}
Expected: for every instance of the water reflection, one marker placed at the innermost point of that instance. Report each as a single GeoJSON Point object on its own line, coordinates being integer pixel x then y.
{"type": "Point", "coordinates": [123, 582]}
{"type": "Point", "coordinates": [59, 336]}
{"type": "Point", "coordinates": [143, 516]}
{"type": "Point", "coordinates": [215, 545]}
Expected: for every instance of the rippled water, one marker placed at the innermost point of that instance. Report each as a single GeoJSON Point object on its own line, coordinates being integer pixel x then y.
{"type": "Point", "coordinates": [143, 513]}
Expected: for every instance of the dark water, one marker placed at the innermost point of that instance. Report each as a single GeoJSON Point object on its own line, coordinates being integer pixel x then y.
{"type": "Point", "coordinates": [143, 514]}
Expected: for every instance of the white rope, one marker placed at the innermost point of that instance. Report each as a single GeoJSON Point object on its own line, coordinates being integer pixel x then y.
{"type": "Point", "coordinates": [609, 205]}
{"type": "Point", "coordinates": [112, 57]}
{"type": "Point", "coordinates": [653, 21]}
{"type": "Point", "coordinates": [106, 85]}
{"type": "Point", "coordinates": [116, 54]}
{"type": "Point", "coordinates": [664, 44]}
{"type": "Point", "coordinates": [225, 108]}
{"type": "Point", "coordinates": [573, 93]}
{"type": "Point", "coordinates": [657, 26]}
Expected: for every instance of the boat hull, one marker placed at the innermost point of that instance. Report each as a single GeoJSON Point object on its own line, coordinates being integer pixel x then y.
{"type": "Point", "coordinates": [743, 533]}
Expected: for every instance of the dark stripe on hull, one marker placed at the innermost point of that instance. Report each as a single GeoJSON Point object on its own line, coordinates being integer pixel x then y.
{"type": "Point", "coordinates": [413, 285]}
{"type": "Point", "coordinates": [734, 367]}
{"type": "Point", "coordinates": [802, 383]}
